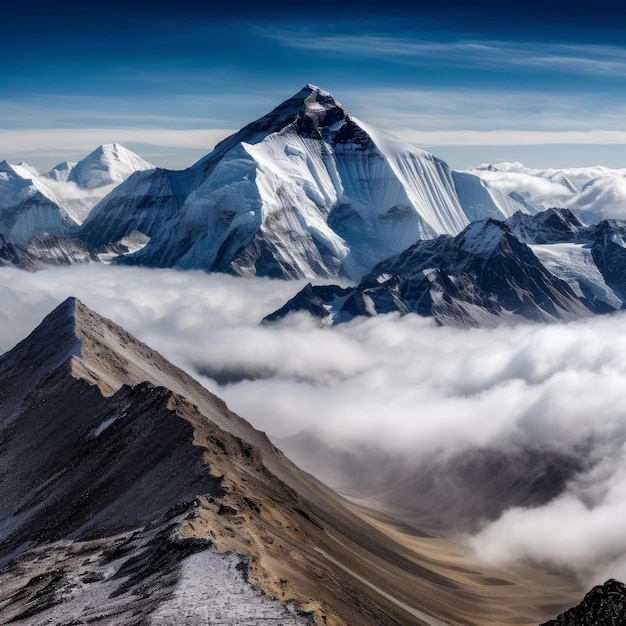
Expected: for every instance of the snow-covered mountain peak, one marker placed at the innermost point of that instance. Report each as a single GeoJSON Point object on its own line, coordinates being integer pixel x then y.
{"type": "Point", "coordinates": [482, 237]}
{"type": "Point", "coordinates": [61, 171]}
{"type": "Point", "coordinates": [306, 111]}
{"type": "Point", "coordinates": [107, 165]}
{"type": "Point", "coordinates": [5, 166]}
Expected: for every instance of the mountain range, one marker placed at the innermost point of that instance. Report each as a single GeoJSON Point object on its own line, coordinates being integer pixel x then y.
{"type": "Point", "coordinates": [132, 495]}
{"type": "Point", "coordinates": [543, 267]}
{"type": "Point", "coordinates": [310, 191]}
{"type": "Point", "coordinates": [305, 191]}
{"type": "Point", "coordinates": [56, 203]}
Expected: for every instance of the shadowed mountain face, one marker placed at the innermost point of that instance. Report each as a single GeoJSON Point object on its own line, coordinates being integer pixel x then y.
{"type": "Point", "coordinates": [539, 268]}
{"type": "Point", "coordinates": [481, 277]}
{"type": "Point", "coordinates": [458, 492]}
{"type": "Point", "coordinates": [120, 474]}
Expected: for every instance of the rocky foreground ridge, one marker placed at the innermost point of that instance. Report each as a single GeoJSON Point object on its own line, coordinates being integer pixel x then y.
{"type": "Point", "coordinates": [122, 476]}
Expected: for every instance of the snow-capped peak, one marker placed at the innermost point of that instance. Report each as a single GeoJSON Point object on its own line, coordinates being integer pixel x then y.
{"type": "Point", "coordinates": [22, 170]}
{"type": "Point", "coordinates": [108, 164]}
{"type": "Point", "coordinates": [61, 171]}
{"type": "Point", "coordinates": [307, 111]}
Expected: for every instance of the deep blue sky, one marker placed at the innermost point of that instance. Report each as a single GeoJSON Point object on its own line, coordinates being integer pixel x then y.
{"type": "Point", "coordinates": [472, 82]}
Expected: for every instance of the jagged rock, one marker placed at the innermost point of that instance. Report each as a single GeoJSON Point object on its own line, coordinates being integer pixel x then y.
{"type": "Point", "coordinates": [604, 605]}
{"type": "Point", "coordinates": [481, 277]}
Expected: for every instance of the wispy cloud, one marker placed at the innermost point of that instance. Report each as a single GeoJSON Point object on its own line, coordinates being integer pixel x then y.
{"type": "Point", "coordinates": [463, 137]}
{"type": "Point", "coordinates": [592, 59]}
{"type": "Point", "coordinates": [444, 112]}
{"type": "Point", "coordinates": [41, 140]}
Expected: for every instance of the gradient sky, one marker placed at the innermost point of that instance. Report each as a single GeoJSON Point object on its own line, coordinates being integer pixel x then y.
{"type": "Point", "coordinates": [471, 82]}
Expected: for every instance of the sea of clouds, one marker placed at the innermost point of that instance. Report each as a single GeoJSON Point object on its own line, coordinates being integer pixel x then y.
{"type": "Point", "coordinates": [401, 386]}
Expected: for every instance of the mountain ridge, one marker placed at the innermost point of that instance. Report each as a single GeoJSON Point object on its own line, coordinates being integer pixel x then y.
{"type": "Point", "coordinates": [118, 468]}
{"type": "Point", "coordinates": [481, 277]}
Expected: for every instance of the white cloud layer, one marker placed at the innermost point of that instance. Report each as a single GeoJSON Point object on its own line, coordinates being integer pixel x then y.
{"type": "Point", "coordinates": [399, 385]}
{"type": "Point", "coordinates": [20, 141]}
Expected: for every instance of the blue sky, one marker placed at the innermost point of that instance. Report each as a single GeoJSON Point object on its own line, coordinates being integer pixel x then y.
{"type": "Point", "coordinates": [486, 81]}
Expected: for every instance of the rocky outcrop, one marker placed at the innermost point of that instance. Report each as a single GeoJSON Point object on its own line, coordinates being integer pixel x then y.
{"type": "Point", "coordinates": [604, 605]}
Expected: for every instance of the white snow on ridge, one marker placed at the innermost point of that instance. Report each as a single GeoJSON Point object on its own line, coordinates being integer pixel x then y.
{"type": "Point", "coordinates": [24, 170]}
{"type": "Point", "coordinates": [573, 263]}
{"type": "Point", "coordinates": [212, 590]}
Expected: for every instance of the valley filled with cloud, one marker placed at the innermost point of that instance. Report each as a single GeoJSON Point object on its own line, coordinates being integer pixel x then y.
{"type": "Point", "coordinates": [400, 388]}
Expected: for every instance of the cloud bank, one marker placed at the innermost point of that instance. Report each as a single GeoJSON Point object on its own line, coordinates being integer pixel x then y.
{"type": "Point", "coordinates": [400, 386]}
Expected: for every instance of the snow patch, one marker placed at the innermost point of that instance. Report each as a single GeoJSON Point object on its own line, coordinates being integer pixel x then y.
{"type": "Point", "coordinates": [212, 590]}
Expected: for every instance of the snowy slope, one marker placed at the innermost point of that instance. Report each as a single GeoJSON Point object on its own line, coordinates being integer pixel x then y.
{"type": "Point", "coordinates": [80, 186]}
{"type": "Point", "coordinates": [28, 207]}
{"type": "Point", "coordinates": [307, 191]}
{"type": "Point", "coordinates": [143, 202]}
{"type": "Point", "coordinates": [573, 263]}
{"type": "Point", "coordinates": [481, 199]}
{"type": "Point", "coordinates": [18, 182]}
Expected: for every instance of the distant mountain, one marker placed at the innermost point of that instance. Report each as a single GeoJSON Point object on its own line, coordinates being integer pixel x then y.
{"type": "Point", "coordinates": [56, 203]}
{"type": "Point", "coordinates": [305, 191]}
{"type": "Point", "coordinates": [482, 277]}
{"type": "Point", "coordinates": [109, 164]}
{"type": "Point", "coordinates": [121, 475]}
{"type": "Point", "coordinates": [459, 491]}
{"type": "Point", "coordinates": [604, 605]}
{"type": "Point", "coordinates": [61, 172]}
{"type": "Point", "coordinates": [592, 193]}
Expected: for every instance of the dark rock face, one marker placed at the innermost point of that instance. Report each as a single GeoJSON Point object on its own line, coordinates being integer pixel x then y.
{"type": "Point", "coordinates": [480, 277]}
{"type": "Point", "coordinates": [604, 605]}
{"type": "Point", "coordinates": [549, 226]}
{"type": "Point", "coordinates": [11, 255]}
{"type": "Point", "coordinates": [609, 253]}
{"type": "Point", "coordinates": [51, 250]}
{"type": "Point", "coordinates": [312, 299]}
